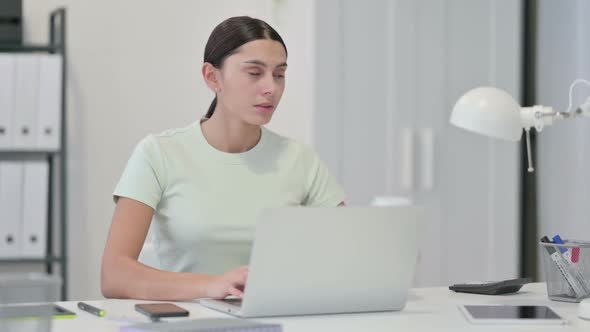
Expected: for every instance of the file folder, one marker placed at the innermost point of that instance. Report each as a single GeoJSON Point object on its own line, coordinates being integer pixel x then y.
{"type": "Point", "coordinates": [26, 102]}
{"type": "Point", "coordinates": [6, 100]}
{"type": "Point", "coordinates": [11, 176]}
{"type": "Point", "coordinates": [49, 110]}
{"type": "Point", "coordinates": [34, 212]}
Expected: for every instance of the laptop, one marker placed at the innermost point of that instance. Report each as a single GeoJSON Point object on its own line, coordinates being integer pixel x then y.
{"type": "Point", "coordinates": [309, 261]}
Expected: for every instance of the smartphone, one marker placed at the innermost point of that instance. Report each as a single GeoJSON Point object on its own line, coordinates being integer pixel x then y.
{"type": "Point", "coordinates": [161, 310]}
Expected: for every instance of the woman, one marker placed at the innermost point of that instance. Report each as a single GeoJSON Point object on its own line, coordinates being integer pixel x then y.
{"type": "Point", "coordinates": [204, 185]}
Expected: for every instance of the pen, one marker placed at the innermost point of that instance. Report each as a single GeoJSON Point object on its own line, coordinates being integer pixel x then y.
{"type": "Point", "coordinates": [90, 309]}
{"type": "Point", "coordinates": [564, 251]}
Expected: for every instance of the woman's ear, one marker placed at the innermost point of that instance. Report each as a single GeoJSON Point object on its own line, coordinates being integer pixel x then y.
{"type": "Point", "coordinates": [210, 75]}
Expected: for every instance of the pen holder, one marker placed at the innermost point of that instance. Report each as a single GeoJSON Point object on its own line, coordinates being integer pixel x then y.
{"type": "Point", "coordinates": [567, 270]}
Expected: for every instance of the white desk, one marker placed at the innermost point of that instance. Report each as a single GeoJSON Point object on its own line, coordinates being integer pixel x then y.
{"type": "Point", "coordinates": [428, 309]}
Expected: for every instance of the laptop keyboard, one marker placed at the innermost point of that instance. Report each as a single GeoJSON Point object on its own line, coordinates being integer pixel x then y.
{"type": "Point", "coordinates": [236, 302]}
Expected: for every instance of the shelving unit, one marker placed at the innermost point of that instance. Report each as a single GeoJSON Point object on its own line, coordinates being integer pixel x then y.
{"type": "Point", "coordinates": [56, 45]}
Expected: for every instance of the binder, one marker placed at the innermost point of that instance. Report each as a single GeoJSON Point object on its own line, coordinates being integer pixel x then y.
{"type": "Point", "coordinates": [34, 209]}
{"type": "Point", "coordinates": [26, 94]}
{"type": "Point", "coordinates": [49, 107]}
{"type": "Point", "coordinates": [11, 175]}
{"type": "Point", "coordinates": [6, 100]}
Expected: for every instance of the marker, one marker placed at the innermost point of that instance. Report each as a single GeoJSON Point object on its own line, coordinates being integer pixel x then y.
{"type": "Point", "coordinates": [566, 254]}
{"type": "Point", "coordinates": [90, 309]}
{"type": "Point", "coordinates": [575, 254]}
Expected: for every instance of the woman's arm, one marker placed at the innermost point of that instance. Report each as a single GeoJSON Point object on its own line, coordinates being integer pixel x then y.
{"type": "Point", "coordinates": [122, 276]}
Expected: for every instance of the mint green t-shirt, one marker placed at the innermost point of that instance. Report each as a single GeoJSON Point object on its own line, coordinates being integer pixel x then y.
{"type": "Point", "coordinates": [206, 201]}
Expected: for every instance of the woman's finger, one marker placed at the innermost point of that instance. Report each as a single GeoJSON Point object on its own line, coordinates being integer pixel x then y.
{"type": "Point", "coordinates": [242, 269]}
{"type": "Point", "coordinates": [235, 292]}
{"type": "Point", "coordinates": [243, 278]}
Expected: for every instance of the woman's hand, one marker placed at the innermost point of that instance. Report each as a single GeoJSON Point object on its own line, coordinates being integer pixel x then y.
{"type": "Point", "coordinates": [229, 283]}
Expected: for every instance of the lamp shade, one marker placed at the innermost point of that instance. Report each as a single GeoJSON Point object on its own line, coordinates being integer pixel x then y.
{"type": "Point", "coordinates": [488, 111]}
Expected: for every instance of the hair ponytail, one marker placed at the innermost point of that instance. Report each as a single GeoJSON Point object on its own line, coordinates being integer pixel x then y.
{"type": "Point", "coordinates": [211, 108]}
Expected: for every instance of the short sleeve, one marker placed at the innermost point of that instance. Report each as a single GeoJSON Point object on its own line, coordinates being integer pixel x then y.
{"type": "Point", "coordinates": [143, 177]}
{"type": "Point", "coordinates": [322, 187]}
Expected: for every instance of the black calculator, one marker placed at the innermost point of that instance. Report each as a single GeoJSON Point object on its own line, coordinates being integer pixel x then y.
{"type": "Point", "coordinates": [491, 287]}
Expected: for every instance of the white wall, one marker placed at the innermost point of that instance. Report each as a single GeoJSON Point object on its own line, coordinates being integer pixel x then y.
{"type": "Point", "coordinates": [389, 73]}
{"type": "Point", "coordinates": [134, 69]}
{"type": "Point", "coordinates": [563, 149]}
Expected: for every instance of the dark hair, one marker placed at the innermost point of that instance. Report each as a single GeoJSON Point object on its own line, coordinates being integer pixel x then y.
{"type": "Point", "coordinates": [229, 35]}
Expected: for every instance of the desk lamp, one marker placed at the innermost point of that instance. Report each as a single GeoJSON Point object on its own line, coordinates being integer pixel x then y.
{"type": "Point", "coordinates": [493, 112]}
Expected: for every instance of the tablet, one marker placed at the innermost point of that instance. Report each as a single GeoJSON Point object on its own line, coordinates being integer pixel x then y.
{"type": "Point", "coordinates": [511, 314]}
{"type": "Point", "coordinates": [61, 312]}
{"type": "Point", "coordinates": [31, 311]}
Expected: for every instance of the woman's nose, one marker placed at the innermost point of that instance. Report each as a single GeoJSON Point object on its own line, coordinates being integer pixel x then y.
{"type": "Point", "coordinates": [269, 85]}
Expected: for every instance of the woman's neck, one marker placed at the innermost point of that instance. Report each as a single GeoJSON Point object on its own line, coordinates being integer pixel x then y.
{"type": "Point", "coordinates": [230, 135]}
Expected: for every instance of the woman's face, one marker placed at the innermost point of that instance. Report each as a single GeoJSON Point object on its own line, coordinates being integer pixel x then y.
{"type": "Point", "coordinates": [252, 81]}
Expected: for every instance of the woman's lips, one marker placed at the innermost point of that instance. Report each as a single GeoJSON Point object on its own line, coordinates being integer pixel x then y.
{"type": "Point", "coordinates": [264, 108]}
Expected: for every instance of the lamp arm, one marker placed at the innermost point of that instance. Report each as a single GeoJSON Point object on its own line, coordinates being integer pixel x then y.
{"type": "Point", "coordinates": [587, 103]}
{"type": "Point", "coordinates": [583, 109]}
{"type": "Point", "coordinates": [540, 116]}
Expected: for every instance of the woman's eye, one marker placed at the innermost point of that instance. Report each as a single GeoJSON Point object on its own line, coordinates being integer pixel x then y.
{"type": "Point", "coordinates": [280, 76]}
{"type": "Point", "coordinates": [254, 74]}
